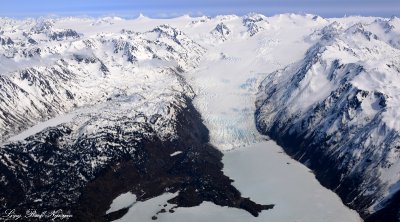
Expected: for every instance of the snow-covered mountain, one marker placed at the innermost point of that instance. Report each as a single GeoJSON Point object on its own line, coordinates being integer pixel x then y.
{"type": "Point", "coordinates": [336, 110]}
{"type": "Point", "coordinates": [109, 106]}
{"type": "Point", "coordinates": [116, 108]}
{"type": "Point", "coordinates": [56, 75]}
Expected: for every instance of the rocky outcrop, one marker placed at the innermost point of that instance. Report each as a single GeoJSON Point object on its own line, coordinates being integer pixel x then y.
{"type": "Point", "coordinates": [221, 32]}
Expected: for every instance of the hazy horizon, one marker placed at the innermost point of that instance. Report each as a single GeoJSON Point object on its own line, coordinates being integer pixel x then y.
{"type": "Point", "coordinates": [174, 8]}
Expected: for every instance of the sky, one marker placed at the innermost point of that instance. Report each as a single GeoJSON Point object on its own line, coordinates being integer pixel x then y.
{"type": "Point", "coordinates": [173, 8]}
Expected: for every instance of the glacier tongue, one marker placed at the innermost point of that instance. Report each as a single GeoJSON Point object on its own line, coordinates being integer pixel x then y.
{"type": "Point", "coordinates": [229, 73]}
{"type": "Point", "coordinates": [227, 106]}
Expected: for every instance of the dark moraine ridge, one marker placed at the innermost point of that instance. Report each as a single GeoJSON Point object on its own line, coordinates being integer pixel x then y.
{"type": "Point", "coordinates": [45, 171]}
{"type": "Point", "coordinates": [196, 173]}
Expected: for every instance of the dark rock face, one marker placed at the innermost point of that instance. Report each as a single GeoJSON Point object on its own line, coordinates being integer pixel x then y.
{"type": "Point", "coordinates": [304, 137]}
{"type": "Point", "coordinates": [252, 21]}
{"type": "Point", "coordinates": [339, 130]}
{"type": "Point", "coordinates": [56, 170]}
{"type": "Point", "coordinates": [221, 31]}
{"type": "Point", "coordinates": [6, 41]}
{"type": "Point", "coordinates": [391, 212]}
{"type": "Point", "coordinates": [63, 35]}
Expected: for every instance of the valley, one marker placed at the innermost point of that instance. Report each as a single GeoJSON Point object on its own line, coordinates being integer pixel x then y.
{"type": "Point", "coordinates": [164, 119]}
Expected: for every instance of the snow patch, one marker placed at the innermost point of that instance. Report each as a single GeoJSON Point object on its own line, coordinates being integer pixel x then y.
{"type": "Point", "coordinates": [122, 201]}
{"type": "Point", "coordinates": [175, 153]}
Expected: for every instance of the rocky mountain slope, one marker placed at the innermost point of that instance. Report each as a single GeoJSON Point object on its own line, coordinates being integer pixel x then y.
{"type": "Point", "coordinates": [55, 75]}
{"type": "Point", "coordinates": [336, 111]}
